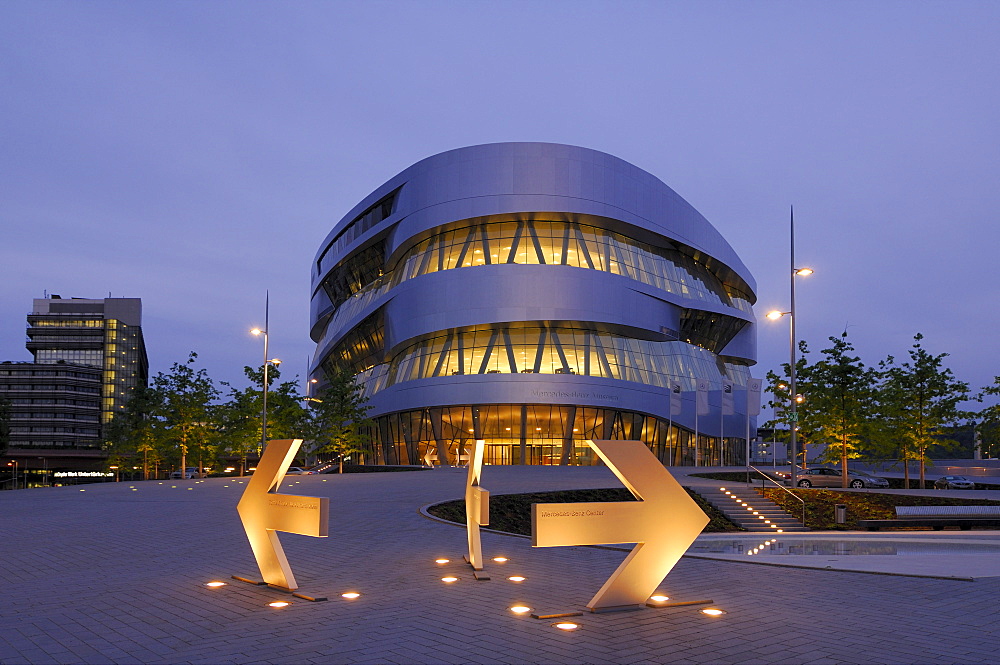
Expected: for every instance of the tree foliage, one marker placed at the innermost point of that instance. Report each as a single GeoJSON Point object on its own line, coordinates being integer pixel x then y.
{"type": "Point", "coordinates": [841, 395]}
{"type": "Point", "coordinates": [183, 410]}
{"type": "Point", "coordinates": [339, 417]}
{"type": "Point", "coordinates": [240, 416]}
{"type": "Point", "coordinates": [989, 422]}
{"type": "Point", "coordinates": [919, 404]}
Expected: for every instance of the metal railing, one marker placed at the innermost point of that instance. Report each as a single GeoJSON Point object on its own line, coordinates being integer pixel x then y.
{"type": "Point", "coordinates": [765, 477]}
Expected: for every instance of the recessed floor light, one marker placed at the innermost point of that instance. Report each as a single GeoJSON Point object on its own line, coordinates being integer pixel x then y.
{"type": "Point", "coordinates": [659, 599]}
{"type": "Point", "coordinates": [566, 625]}
{"type": "Point", "coordinates": [713, 612]}
{"type": "Point", "coordinates": [280, 603]}
{"type": "Point", "coordinates": [449, 580]}
{"type": "Point", "coordinates": [215, 584]}
{"type": "Point", "coordinates": [517, 578]}
{"type": "Point", "coordinates": [520, 609]}
{"type": "Point", "coordinates": [441, 560]}
{"type": "Point", "coordinates": [500, 559]}
{"type": "Point", "coordinates": [350, 595]}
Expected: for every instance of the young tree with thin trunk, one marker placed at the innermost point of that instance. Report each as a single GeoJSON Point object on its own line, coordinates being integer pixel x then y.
{"type": "Point", "coordinates": [919, 402]}
{"type": "Point", "coordinates": [988, 427]}
{"type": "Point", "coordinates": [339, 417]}
{"type": "Point", "coordinates": [841, 392]}
{"type": "Point", "coordinates": [184, 410]}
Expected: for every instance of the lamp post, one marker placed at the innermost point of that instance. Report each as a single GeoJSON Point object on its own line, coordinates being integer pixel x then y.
{"type": "Point", "coordinates": [271, 361]}
{"type": "Point", "coordinates": [774, 316]}
{"type": "Point", "coordinates": [263, 413]}
{"type": "Point", "coordinates": [13, 478]}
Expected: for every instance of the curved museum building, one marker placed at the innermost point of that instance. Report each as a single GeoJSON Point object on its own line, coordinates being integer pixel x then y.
{"type": "Point", "coordinates": [535, 296]}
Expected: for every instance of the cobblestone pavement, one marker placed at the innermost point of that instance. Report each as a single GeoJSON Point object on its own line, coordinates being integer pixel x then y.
{"type": "Point", "coordinates": [116, 574]}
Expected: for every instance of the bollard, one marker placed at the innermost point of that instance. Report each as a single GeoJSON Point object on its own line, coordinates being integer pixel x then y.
{"type": "Point", "coordinates": [841, 513]}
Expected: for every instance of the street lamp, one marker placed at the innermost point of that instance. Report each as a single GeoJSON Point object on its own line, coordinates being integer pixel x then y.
{"type": "Point", "coordinates": [13, 479]}
{"type": "Point", "coordinates": [267, 362]}
{"type": "Point", "coordinates": [774, 316]}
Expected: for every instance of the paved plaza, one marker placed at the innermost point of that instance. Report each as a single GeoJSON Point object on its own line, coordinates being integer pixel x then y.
{"type": "Point", "coordinates": [116, 573]}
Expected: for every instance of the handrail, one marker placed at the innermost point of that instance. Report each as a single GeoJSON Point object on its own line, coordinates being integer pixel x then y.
{"type": "Point", "coordinates": [779, 486]}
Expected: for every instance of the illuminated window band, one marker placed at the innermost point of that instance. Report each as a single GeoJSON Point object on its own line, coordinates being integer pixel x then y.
{"type": "Point", "coordinates": [354, 284]}
{"type": "Point", "coordinates": [534, 434]}
{"type": "Point", "coordinates": [550, 350]}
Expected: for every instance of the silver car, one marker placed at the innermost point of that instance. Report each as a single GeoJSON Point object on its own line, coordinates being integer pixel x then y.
{"type": "Point", "coordinates": [824, 477]}
{"type": "Point", "coordinates": [954, 483]}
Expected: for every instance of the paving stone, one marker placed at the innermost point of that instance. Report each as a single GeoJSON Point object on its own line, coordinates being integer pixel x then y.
{"type": "Point", "coordinates": [117, 577]}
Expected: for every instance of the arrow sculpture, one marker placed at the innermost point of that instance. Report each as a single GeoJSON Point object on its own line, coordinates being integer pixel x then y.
{"type": "Point", "coordinates": [265, 512]}
{"type": "Point", "coordinates": [477, 507]}
{"type": "Point", "coordinates": [663, 522]}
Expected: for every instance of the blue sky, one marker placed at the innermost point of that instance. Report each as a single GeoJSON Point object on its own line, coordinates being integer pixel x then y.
{"type": "Point", "coordinates": [195, 154]}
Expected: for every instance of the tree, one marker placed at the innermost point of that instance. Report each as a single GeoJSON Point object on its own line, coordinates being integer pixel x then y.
{"type": "Point", "coordinates": [133, 430]}
{"type": "Point", "coordinates": [240, 416]}
{"type": "Point", "coordinates": [919, 402]}
{"type": "Point", "coordinates": [184, 407]}
{"type": "Point", "coordinates": [989, 422]}
{"type": "Point", "coordinates": [339, 417]}
{"type": "Point", "coordinates": [841, 392]}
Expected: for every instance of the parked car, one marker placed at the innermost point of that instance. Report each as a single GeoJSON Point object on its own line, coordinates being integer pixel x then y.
{"type": "Point", "coordinates": [824, 477]}
{"type": "Point", "coordinates": [297, 471]}
{"type": "Point", "coordinates": [189, 472]}
{"type": "Point", "coordinates": [954, 483]}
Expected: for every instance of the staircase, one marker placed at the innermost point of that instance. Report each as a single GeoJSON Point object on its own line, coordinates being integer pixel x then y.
{"type": "Point", "coordinates": [763, 514]}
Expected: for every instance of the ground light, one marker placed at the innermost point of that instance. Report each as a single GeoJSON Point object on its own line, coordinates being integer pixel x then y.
{"type": "Point", "coordinates": [566, 625]}
{"type": "Point", "coordinates": [279, 603]}
{"type": "Point", "coordinates": [441, 560]}
{"type": "Point", "coordinates": [215, 584]}
{"type": "Point", "coordinates": [712, 612]}
{"type": "Point", "coordinates": [500, 559]}
{"type": "Point", "coordinates": [659, 599]}
{"type": "Point", "coordinates": [517, 578]}
{"type": "Point", "coordinates": [520, 609]}
{"type": "Point", "coordinates": [449, 580]}
{"type": "Point", "coordinates": [350, 595]}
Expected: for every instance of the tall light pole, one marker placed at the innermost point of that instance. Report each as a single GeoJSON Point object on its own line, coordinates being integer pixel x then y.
{"type": "Point", "coordinates": [13, 479]}
{"type": "Point", "coordinates": [774, 316]}
{"type": "Point", "coordinates": [267, 361]}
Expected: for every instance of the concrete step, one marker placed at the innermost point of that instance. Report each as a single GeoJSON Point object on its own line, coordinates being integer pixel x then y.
{"type": "Point", "coordinates": [758, 514]}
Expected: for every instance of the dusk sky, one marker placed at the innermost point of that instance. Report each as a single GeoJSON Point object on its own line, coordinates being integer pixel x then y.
{"type": "Point", "coordinates": [195, 154]}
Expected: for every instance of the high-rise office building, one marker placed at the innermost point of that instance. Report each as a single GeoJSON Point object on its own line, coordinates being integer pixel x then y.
{"type": "Point", "coordinates": [104, 333]}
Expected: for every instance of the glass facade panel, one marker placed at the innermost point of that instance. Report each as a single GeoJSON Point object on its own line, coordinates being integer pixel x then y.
{"type": "Point", "coordinates": [361, 279]}
{"type": "Point", "coordinates": [552, 350]}
{"type": "Point", "coordinates": [544, 434]}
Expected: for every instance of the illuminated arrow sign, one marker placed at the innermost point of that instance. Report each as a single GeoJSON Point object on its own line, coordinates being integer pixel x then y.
{"type": "Point", "coordinates": [663, 523]}
{"type": "Point", "coordinates": [265, 512]}
{"type": "Point", "coordinates": [477, 506]}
